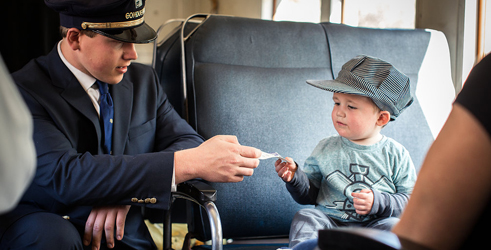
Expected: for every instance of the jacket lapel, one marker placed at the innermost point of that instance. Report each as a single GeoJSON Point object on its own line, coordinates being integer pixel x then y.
{"type": "Point", "coordinates": [73, 92]}
{"type": "Point", "coordinates": [122, 94]}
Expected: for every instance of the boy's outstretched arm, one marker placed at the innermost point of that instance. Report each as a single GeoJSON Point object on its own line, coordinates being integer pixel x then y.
{"type": "Point", "coordinates": [297, 183]}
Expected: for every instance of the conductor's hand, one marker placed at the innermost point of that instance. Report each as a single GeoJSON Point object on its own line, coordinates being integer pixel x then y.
{"type": "Point", "coordinates": [105, 219]}
{"type": "Point", "coordinates": [285, 170]}
{"type": "Point", "coordinates": [219, 159]}
{"type": "Point", "coordinates": [363, 201]}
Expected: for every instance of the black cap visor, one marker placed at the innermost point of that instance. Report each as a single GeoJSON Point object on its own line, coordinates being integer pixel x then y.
{"type": "Point", "coordinates": [140, 34]}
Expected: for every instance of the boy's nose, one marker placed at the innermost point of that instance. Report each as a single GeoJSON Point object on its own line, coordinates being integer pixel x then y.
{"type": "Point", "coordinates": [340, 112]}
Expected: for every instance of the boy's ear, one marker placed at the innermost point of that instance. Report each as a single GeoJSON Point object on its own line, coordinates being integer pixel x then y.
{"type": "Point", "coordinates": [383, 118]}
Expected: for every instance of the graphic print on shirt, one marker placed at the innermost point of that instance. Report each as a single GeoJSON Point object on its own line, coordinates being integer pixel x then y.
{"type": "Point", "coordinates": [357, 181]}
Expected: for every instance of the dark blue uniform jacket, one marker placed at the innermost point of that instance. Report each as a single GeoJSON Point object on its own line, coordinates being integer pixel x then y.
{"type": "Point", "coordinates": [73, 174]}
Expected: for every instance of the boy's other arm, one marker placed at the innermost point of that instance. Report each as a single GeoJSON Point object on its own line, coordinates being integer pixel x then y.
{"type": "Point", "coordinates": [388, 205]}
{"type": "Point", "coordinates": [392, 204]}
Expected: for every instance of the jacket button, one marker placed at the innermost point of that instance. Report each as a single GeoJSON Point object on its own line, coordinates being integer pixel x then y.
{"type": "Point", "coordinates": [153, 200]}
{"type": "Point", "coordinates": [134, 199]}
{"type": "Point", "coordinates": [141, 201]}
{"type": "Point", "coordinates": [147, 200]}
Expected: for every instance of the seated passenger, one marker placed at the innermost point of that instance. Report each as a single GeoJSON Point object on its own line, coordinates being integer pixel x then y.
{"type": "Point", "coordinates": [17, 153]}
{"type": "Point", "coordinates": [451, 204]}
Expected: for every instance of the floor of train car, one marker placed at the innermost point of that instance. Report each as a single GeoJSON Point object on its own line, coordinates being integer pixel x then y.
{"type": "Point", "coordinates": [179, 233]}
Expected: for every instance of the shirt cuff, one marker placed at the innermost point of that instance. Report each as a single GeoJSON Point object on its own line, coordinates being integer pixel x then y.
{"type": "Point", "coordinates": [173, 187]}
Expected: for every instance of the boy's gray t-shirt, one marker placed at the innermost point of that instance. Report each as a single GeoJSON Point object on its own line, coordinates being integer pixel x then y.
{"type": "Point", "coordinates": [339, 167]}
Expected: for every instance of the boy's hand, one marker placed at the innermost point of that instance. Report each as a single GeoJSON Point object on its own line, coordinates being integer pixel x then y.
{"type": "Point", "coordinates": [285, 170]}
{"type": "Point", "coordinates": [363, 201]}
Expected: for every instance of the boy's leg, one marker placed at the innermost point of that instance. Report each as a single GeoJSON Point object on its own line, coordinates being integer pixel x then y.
{"type": "Point", "coordinates": [41, 231]}
{"type": "Point", "coordinates": [306, 245]}
{"type": "Point", "coordinates": [306, 223]}
{"type": "Point", "coordinates": [385, 224]}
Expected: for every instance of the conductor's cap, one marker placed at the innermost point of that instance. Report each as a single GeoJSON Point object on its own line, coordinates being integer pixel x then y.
{"type": "Point", "coordinates": [122, 20]}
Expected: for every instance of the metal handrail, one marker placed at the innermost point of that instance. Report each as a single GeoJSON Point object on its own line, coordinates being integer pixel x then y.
{"type": "Point", "coordinates": [213, 217]}
{"type": "Point", "coordinates": [183, 59]}
{"type": "Point", "coordinates": [155, 42]}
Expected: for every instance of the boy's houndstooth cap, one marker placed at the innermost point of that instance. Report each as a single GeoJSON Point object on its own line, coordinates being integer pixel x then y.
{"type": "Point", "coordinates": [374, 78]}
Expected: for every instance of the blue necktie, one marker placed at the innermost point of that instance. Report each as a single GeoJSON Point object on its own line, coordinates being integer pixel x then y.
{"type": "Point", "coordinates": [106, 114]}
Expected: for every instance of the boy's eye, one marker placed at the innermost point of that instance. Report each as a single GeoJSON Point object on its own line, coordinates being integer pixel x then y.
{"type": "Point", "coordinates": [336, 103]}
{"type": "Point", "coordinates": [351, 107]}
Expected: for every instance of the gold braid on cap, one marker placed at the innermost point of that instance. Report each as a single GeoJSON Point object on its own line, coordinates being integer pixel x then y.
{"type": "Point", "coordinates": [112, 25]}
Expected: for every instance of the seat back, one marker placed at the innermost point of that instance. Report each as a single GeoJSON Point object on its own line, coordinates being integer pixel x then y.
{"type": "Point", "coordinates": [246, 77]}
{"type": "Point", "coordinates": [244, 80]}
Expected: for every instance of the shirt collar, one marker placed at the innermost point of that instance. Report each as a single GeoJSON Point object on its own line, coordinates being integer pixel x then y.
{"type": "Point", "coordinates": [85, 80]}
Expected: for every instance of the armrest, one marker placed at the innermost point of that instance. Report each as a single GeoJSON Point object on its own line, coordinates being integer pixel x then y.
{"type": "Point", "coordinates": [364, 238]}
{"type": "Point", "coordinates": [197, 190]}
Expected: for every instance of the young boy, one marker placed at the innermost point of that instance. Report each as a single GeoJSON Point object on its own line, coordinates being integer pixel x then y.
{"type": "Point", "coordinates": [360, 177]}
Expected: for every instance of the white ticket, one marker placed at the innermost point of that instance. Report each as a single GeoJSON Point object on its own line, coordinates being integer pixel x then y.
{"type": "Point", "coordinates": [265, 156]}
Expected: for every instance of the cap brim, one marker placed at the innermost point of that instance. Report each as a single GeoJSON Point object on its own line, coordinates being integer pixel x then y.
{"type": "Point", "coordinates": [141, 34]}
{"type": "Point", "coordinates": [335, 86]}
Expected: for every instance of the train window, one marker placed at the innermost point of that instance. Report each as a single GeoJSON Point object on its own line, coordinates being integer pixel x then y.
{"type": "Point", "coordinates": [484, 32]}
{"type": "Point", "coordinates": [379, 13]}
{"type": "Point", "coordinates": [298, 10]}
{"type": "Point", "coordinates": [373, 13]}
